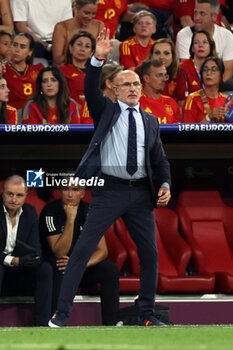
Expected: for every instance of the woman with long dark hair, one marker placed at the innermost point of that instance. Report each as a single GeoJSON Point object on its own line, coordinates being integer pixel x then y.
{"type": "Point", "coordinates": [176, 86]}
{"type": "Point", "coordinates": [51, 103]}
{"type": "Point", "coordinates": [20, 73]}
{"type": "Point", "coordinates": [207, 105]}
{"type": "Point", "coordinates": [8, 114]}
{"type": "Point", "coordinates": [81, 47]}
{"type": "Point", "coordinates": [202, 46]}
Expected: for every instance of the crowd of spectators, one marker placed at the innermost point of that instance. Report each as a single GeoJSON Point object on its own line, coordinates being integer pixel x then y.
{"type": "Point", "coordinates": [180, 33]}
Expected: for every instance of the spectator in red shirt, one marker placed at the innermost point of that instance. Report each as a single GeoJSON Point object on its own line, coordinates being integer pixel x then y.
{"type": "Point", "coordinates": [207, 105]}
{"type": "Point", "coordinates": [8, 114]}
{"type": "Point", "coordinates": [182, 14]}
{"type": "Point", "coordinates": [51, 103]}
{"type": "Point", "coordinates": [20, 73]}
{"type": "Point", "coordinates": [202, 46]}
{"type": "Point", "coordinates": [161, 9]}
{"type": "Point", "coordinates": [111, 12]}
{"type": "Point", "coordinates": [136, 49]}
{"type": "Point", "coordinates": [81, 47]}
{"type": "Point", "coordinates": [165, 108]}
{"type": "Point", "coordinates": [176, 85]}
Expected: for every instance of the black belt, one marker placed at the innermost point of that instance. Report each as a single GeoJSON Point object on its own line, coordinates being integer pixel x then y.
{"type": "Point", "coordinates": [129, 183]}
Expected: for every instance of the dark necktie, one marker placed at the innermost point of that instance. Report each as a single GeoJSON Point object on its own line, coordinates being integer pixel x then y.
{"type": "Point", "coordinates": [131, 166]}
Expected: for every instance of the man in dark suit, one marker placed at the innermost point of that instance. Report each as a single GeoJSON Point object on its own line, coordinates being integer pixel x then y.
{"type": "Point", "coordinates": [124, 150]}
{"type": "Point", "coordinates": [20, 246]}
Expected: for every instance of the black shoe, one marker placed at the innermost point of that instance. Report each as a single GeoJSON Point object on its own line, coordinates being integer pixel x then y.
{"type": "Point", "coordinates": [150, 320]}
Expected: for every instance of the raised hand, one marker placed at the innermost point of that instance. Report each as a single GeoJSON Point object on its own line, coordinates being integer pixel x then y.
{"type": "Point", "coordinates": [103, 44]}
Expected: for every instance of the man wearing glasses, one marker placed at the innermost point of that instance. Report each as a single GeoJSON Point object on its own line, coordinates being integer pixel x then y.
{"type": "Point", "coordinates": [154, 76]}
{"type": "Point", "coordinates": [125, 149]}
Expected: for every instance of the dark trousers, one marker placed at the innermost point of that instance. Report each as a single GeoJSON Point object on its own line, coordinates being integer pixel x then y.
{"type": "Point", "coordinates": [37, 281]}
{"type": "Point", "coordinates": [106, 273]}
{"type": "Point", "coordinates": [134, 205]}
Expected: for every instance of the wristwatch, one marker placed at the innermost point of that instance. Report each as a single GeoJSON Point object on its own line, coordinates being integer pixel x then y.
{"type": "Point", "coordinates": [207, 118]}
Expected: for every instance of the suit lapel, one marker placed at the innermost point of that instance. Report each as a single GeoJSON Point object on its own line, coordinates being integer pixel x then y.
{"type": "Point", "coordinates": [21, 225]}
{"type": "Point", "coordinates": [2, 218]}
{"type": "Point", "coordinates": [146, 123]}
{"type": "Point", "coordinates": [116, 114]}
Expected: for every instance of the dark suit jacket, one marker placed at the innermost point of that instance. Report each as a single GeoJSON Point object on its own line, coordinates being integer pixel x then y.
{"type": "Point", "coordinates": [105, 114]}
{"type": "Point", "coordinates": [27, 232]}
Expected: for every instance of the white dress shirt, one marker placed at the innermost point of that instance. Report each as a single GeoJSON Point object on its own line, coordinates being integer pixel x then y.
{"type": "Point", "coordinates": [11, 236]}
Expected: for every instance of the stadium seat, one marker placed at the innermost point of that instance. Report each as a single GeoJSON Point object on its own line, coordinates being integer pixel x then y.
{"type": "Point", "coordinates": [174, 256]}
{"type": "Point", "coordinates": [116, 250]}
{"type": "Point", "coordinates": [130, 282]}
{"type": "Point", "coordinates": [33, 199]}
{"type": "Point", "coordinates": [206, 223]}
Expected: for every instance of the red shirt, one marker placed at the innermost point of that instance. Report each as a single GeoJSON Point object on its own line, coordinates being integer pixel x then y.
{"type": "Point", "coordinates": [109, 12]}
{"type": "Point", "coordinates": [177, 88]}
{"type": "Point", "coordinates": [132, 53]}
{"type": "Point", "coordinates": [164, 108]}
{"type": "Point", "coordinates": [161, 5]}
{"type": "Point", "coordinates": [21, 86]}
{"type": "Point", "coordinates": [34, 116]}
{"type": "Point", "coordinates": [181, 8]}
{"type": "Point", "coordinates": [12, 115]}
{"type": "Point", "coordinates": [75, 81]}
{"type": "Point", "coordinates": [193, 81]}
{"type": "Point", "coordinates": [193, 109]}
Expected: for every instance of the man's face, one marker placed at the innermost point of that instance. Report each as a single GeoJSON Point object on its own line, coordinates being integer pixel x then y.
{"type": "Point", "coordinates": [14, 195]}
{"type": "Point", "coordinates": [203, 19]}
{"type": "Point", "coordinates": [157, 78]}
{"type": "Point", "coordinates": [128, 87]}
{"type": "Point", "coordinates": [71, 195]}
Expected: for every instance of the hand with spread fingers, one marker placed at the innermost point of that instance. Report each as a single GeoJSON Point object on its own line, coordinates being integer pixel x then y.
{"type": "Point", "coordinates": [103, 45]}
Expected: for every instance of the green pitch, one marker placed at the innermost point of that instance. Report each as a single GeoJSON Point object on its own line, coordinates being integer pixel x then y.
{"type": "Point", "coordinates": [118, 338]}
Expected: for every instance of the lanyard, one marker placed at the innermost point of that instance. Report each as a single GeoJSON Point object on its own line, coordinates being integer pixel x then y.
{"type": "Point", "coordinates": [198, 73]}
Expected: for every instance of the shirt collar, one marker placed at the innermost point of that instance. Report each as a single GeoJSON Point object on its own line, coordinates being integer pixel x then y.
{"type": "Point", "coordinates": [18, 213]}
{"type": "Point", "coordinates": [124, 106]}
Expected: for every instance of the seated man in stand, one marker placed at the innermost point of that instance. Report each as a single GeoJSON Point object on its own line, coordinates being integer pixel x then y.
{"type": "Point", "coordinates": [20, 246]}
{"type": "Point", "coordinates": [61, 224]}
{"type": "Point", "coordinates": [154, 76]}
{"type": "Point", "coordinates": [205, 15]}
